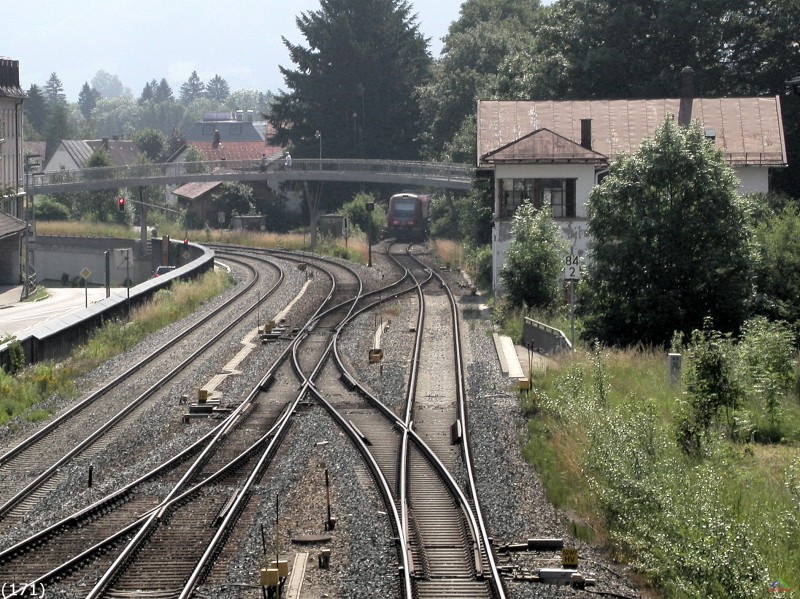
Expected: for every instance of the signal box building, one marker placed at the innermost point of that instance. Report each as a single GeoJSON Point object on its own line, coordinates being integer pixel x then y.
{"type": "Point", "coordinates": [553, 153]}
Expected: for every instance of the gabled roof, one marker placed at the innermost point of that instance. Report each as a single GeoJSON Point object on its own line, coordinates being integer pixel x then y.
{"type": "Point", "coordinates": [192, 191]}
{"type": "Point", "coordinates": [122, 152]}
{"type": "Point", "coordinates": [543, 146]}
{"type": "Point", "coordinates": [34, 147]}
{"type": "Point", "coordinates": [748, 130]}
{"type": "Point", "coordinates": [10, 225]}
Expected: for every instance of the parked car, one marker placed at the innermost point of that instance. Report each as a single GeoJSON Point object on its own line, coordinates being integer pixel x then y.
{"type": "Point", "coordinates": [162, 270]}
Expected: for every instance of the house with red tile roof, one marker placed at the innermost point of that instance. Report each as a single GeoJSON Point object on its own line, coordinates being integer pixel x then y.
{"type": "Point", "coordinates": [553, 153]}
{"type": "Point", "coordinates": [198, 197]}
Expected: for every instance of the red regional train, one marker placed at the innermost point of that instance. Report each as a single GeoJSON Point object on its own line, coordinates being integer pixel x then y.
{"type": "Point", "coordinates": [408, 216]}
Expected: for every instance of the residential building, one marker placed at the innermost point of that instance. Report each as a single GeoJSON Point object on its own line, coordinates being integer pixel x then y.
{"type": "Point", "coordinates": [553, 153]}
{"type": "Point", "coordinates": [75, 154]}
{"type": "Point", "coordinates": [12, 193]}
{"type": "Point", "coordinates": [231, 126]}
{"type": "Point", "coordinates": [197, 197]}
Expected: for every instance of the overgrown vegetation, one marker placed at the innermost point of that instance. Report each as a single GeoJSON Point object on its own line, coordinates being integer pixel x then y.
{"type": "Point", "coordinates": [354, 248]}
{"type": "Point", "coordinates": [717, 517]}
{"type": "Point", "coordinates": [24, 388]}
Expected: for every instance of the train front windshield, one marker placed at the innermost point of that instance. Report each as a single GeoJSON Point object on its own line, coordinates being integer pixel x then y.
{"type": "Point", "coordinates": [405, 207]}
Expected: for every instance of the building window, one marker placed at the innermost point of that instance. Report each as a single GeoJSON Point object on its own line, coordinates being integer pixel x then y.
{"type": "Point", "coordinates": [558, 194]}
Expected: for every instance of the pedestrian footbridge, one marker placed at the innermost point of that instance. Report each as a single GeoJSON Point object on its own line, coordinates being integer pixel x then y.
{"type": "Point", "coordinates": [273, 173]}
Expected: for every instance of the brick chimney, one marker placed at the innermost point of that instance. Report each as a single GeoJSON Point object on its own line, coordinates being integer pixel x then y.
{"type": "Point", "coordinates": [687, 95]}
{"type": "Point", "coordinates": [586, 133]}
{"type": "Point", "coordinates": [9, 73]}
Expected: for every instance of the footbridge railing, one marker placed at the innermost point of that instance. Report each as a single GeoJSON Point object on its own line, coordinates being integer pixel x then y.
{"type": "Point", "coordinates": [273, 172]}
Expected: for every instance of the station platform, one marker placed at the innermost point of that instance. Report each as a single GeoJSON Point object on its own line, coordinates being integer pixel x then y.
{"type": "Point", "coordinates": [515, 360]}
{"type": "Point", "coordinates": [10, 294]}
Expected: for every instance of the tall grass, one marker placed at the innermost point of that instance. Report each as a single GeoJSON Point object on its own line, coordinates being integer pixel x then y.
{"type": "Point", "coordinates": [20, 392]}
{"type": "Point", "coordinates": [354, 249]}
{"type": "Point", "coordinates": [451, 253]}
{"type": "Point", "coordinates": [602, 428]}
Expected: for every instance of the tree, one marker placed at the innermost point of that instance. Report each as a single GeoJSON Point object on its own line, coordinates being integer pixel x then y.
{"type": "Point", "coordinates": [712, 386]}
{"type": "Point", "coordinates": [354, 82]}
{"type": "Point", "coordinates": [57, 127]}
{"type": "Point", "coordinates": [152, 143]}
{"type": "Point", "coordinates": [232, 198]}
{"type": "Point", "coordinates": [108, 85]}
{"type": "Point", "coordinates": [87, 100]}
{"type": "Point", "coordinates": [54, 91]}
{"type": "Point", "coordinates": [218, 89]}
{"type": "Point", "coordinates": [476, 44]}
{"type": "Point", "coordinates": [671, 242]}
{"type": "Point", "coordinates": [192, 89]}
{"type": "Point", "coordinates": [148, 92]}
{"type": "Point", "coordinates": [35, 108]}
{"type": "Point", "coordinates": [99, 205]}
{"type": "Point", "coordinates": [531, 274]}
{"type": "Point", "coordinates": [247, 99]}
{"type": "Point", "coordinates": [47, 208]}
{"type": "Point", "coordinates": [358, 217]}
{"type": "Point", "coordinates": [174, 142]}
{"type": "Point", "coordinates": [163, 93]}
{"type": "Point", "coordinates": [778, 273]}
{"type": "Point", "coordinates": [465, 72]}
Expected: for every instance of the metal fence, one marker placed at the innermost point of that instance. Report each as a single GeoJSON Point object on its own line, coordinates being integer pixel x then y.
{"type": "Point", "coordinates": [275, 171]}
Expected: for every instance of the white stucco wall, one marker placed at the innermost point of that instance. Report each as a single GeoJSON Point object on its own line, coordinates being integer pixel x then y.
{"type": "Point", "coordinates": [60, 159]}
{"type": "Point", "coordinates": [752, 180]}
{"type": "Point", "coordinates": [574, 229]}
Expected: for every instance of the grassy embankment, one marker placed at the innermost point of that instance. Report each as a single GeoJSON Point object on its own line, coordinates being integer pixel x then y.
{"type": "Point", "coordinates": [723, 524]}
{"type": "Point", "coordinates": [28, 387]}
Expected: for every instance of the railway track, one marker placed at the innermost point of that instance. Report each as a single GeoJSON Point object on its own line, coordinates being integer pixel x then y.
{"type": "Point", "coordinates": [441, 546]}
{"type": "Point", "coordinates": [36, 465]}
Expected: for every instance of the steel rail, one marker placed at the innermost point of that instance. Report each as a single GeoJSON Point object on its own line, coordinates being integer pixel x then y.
{"type": "Point", "coordinates": [130, 406]}
{"type": "Point", "coordinates": [465, 445]}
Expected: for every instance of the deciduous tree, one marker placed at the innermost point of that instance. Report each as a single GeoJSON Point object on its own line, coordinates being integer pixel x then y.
{"type": "Point", "coordinates": [532, 272]}
{"type": "Point", "coordinates": [152, 142]}
{"type": "Point", "coordinates": [108, 85]}
{"type": "Point", "coordinates": [671, 242]}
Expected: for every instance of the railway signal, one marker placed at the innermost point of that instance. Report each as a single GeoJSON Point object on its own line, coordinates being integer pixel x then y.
{"type": "Point", "coordinates": [121, 204]}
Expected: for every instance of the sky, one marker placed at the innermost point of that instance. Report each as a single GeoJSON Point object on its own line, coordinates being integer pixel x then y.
{"type": "Point", "coordinates": [141, 40]}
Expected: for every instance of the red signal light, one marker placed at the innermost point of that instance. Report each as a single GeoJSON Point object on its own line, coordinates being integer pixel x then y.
{"type": "Point", "coordinates": [121, 204]}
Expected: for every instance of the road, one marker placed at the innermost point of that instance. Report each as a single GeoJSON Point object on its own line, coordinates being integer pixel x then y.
{"type": "Point", "coordinates": [16, 316]}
